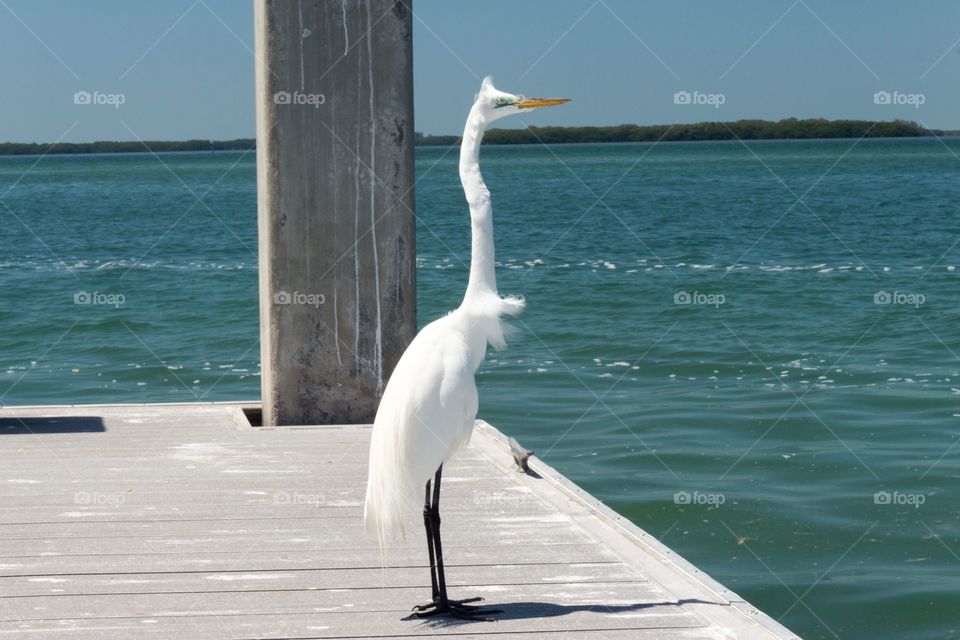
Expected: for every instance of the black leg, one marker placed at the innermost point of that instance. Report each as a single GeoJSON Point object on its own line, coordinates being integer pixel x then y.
{"type": "Point", "coordinates": [441, 603]}
{"type": "Point", "coordinates": [429, 527]}
{"type": "Point", "coordinates": [437, 547]}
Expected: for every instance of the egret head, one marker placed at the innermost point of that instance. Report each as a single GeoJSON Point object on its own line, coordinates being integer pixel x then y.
{"type": "Point", "coordinates": [494, 104]}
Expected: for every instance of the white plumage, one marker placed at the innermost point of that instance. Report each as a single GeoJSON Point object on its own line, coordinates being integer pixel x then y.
{"type": "Point", "coordinates": [426, 414]}
{"type": "Point", "coordinates": [430, 403]}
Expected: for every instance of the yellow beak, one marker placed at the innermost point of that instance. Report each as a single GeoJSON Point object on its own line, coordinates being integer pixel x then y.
{"type": "Point", "coordinates": [533, 103]}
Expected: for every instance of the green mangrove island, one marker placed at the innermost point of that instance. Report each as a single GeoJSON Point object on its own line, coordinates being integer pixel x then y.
{"type": "Point", "coordinates": [787, 129]}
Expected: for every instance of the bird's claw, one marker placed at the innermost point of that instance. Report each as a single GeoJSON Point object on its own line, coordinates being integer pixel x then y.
{"type": "Point", "coordinates": [449, 604]}
{"type": "Point", "coordinates": [456, 608]}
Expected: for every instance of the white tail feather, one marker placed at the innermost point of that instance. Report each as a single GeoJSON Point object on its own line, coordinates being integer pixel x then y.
{"type": "Point", "coordinates": [386, 501]}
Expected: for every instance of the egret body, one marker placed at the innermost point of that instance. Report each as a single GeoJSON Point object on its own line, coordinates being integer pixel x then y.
{"type": "Point", "coordinates": [430, 403]}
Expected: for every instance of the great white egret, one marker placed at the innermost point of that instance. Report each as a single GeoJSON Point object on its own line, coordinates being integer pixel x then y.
{"type": "Point", "coordinates": [430, 402]}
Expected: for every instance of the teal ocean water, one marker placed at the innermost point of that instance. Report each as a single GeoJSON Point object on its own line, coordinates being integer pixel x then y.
{"type": "Point", "coordinates": [752, 351]}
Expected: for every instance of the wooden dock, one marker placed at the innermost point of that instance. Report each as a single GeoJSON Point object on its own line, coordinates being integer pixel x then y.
{"type": "Point", "coordinates": [183, 521]}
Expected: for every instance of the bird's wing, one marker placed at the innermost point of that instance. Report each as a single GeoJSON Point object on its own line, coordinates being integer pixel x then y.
{"type": "Point", "coordinates": [426, 413]}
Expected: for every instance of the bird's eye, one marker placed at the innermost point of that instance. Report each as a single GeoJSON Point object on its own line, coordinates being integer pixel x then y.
{"type": "Point", "coordinates": [502, 102]}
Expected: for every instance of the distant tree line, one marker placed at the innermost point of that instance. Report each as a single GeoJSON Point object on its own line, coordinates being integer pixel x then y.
{"type": "Point", "coordinates": [788, 129]}
{"type": "Point", "coordinates": [31, 148]}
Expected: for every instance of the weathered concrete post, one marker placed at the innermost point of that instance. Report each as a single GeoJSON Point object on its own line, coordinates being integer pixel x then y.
{"type": "Point", "coordinates": [335, 177]}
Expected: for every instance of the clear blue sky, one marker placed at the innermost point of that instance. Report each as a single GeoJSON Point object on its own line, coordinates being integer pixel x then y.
{"type": "Point", "coordinates": [621, 61]}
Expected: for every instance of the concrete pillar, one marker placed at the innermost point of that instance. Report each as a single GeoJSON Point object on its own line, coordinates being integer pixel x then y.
{"type": "Point", "coordinates": [335, 175]}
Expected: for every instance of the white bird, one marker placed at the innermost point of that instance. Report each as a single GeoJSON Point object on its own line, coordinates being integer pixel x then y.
{"type": "Point", "coordinates": [430, 402]}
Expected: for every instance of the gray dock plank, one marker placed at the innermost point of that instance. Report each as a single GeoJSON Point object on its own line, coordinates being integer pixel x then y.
{"type": "Point", "coordinates": [92, 606]}
{"type": "Point", "coordinates": [366, 625]}
{"type": "Point", "coordinates": [311, 558]}
{"type": "Point", "coordinates": [163, 521]}
{"type": "Point", "coordinates": [323, 578]}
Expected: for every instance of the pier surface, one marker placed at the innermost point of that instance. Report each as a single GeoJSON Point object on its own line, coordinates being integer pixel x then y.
{"type": "Point", "coordinates": [182, 521]}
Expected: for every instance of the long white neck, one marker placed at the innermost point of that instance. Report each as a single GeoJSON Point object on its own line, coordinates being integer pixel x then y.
{"type": "Point", "coordinates": [483, 279]}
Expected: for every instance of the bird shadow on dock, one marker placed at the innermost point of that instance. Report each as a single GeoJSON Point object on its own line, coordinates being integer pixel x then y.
{"type": "Point", "coordinates": [531, 610]}
{"type": "Point", "coordinates": [61, 424]}
{"type": "Point", "coordinates": [530, 472]}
